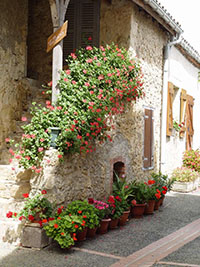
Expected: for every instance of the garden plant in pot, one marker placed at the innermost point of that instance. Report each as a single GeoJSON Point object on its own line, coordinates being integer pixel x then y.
{"type": "Point", "coordinates": [122, 190]}
{"type": "Point", "coordinates": [88, 212]}
{"type": "Point", "coordinates": [36, 209]}
{"type": "Point", "coordinates": [153, 194]}
{"type": "Point", "coordinates": [103, 212]}
{"type": "Point", "coordinates": [116, 210]}
{"type": "Point", "coordinates": [139, 198]}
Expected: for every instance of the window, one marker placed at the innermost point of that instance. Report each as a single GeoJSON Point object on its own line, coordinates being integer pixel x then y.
{"type": "Point", "coordinates": [83, 22]}
{"type": "Point", "coordinates": [148, 139]}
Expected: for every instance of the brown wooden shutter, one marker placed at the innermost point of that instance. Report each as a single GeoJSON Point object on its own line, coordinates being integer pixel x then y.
{"type": "Point", "coordinates": [189, 122]}
{"type": "Point", "coordinates": [148, 139]}
{"type": "Point", "coordinates": [170, 109]}
{"type": "Point", "coordinates": [89, 23]}
{"type": "Point", "coordinates": [183, 111]}
{"type": "Point", "coordinates": [83, 21]}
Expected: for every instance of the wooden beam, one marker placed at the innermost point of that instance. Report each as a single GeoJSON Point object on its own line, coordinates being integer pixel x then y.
{"type": "Point", "coordinates": [58, 11]}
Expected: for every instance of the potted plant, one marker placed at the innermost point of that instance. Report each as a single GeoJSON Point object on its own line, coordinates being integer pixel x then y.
{"type": "Point", "coordinates": [185, 179]}
{"type": "Point", "coordinates": [64, 229]}
{"type": "Point", "coordinates": [138, 201]}
{"type": "Point", "coordinates": [116, 210]}
{"type": "Point", "coordinates": [153, 194]}
{"type": "Point", "coordinates": [37, 210]}
{"type": "Point", "coordinates": [123, 190]}
{"type": "Point", "coordinates": [103, 212]}
{"type": "Point", "coordinates": [88, 212]}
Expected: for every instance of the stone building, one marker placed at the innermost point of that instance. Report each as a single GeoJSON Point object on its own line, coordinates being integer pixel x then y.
{"type": "Point", "coordinates": [144, 28]}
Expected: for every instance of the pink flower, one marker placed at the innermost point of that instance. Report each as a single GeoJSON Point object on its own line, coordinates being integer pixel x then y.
{"type": "Point", "coordinates": [87, 84]}
{"type": "Point", "coordinates": [91, 92]}
{"type": "Point", "coordinates": [42, 139]}
{"type": "Point", "coordinates": [27, 157]}
{"type": "Point", "coordinates": [88, 47]}
{"type": "Point", "coordinates": [85, 71]}
{"type": "Point", "coordinates": [89, 38]}
{"type": "Point", "coordinates": [66, 80]}
{"type": "Point", "coordinates": [24, 119]}
{"type": "Point", "coordinates": [89, 60]}
{"type": "Point", "coordinates": [59, 107]}
{"type": "Point", "coordinates": [74, 82]}
{"type": "Point", "coordinates": [68, 72]}
{"type": "Point", "coordinates": [60, 156]}
{"type": "Point", "coordinates": [101, 77]}
{"type": "Point", "coordinates": [73, 56]}
{"type": "Point", "coordinates": [50, 84]}
{"type": "Point", "coordinates": [7, 140]}
{"type": "Point", "coordinates": [40, 149]}
{"type": "Point", "coordinates": [10, 160]}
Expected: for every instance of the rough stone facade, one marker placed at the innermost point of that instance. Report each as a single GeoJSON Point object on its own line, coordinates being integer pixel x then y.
{"type": "Point", "coordinates": [13, 34]}
{"type": "Point", "coordinates": [79, 177]}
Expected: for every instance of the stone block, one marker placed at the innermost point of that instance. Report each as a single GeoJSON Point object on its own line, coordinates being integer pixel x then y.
{"type": "Point", "coordinates": [34, 236]}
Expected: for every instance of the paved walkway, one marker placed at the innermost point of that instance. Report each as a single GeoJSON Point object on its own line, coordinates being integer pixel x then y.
{"type": "Point", "coordinates": [169, 238]}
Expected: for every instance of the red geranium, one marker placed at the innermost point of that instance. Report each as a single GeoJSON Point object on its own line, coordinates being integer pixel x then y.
{"type": "Point", "coordinates": [9, 214]}
{"type": "Point", "coordinates": [59, 210]}
{"type": "Point", "coordinates": [90, 200]}
{"type": "Point", "coordinates": [31, 217]}
{"type": "Point", "coordinates": [118, 198]}
{"type": "Point", "coordinates": [26, 195]}
{"type": "Point", "coordinates": [165, 188]}
{"type": "Point", "coordinates": [150, 182]}
{"type": "Point", "coordinates": [56, 225]}
{"type": "Point", "coordinates": [44, 192]}
{"type": "Point", "coordinates": [164, 192]}
{"type": "Point", "coordinates": [111, 199]}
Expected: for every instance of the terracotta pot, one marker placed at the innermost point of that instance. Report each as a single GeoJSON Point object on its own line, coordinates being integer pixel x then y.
{"type": "Point", "coordinates": [91, 232]}
{"type": "Point", "coordinates": [137, 210]}
{"type": "Point", "coordinates": [103, 228]}
{"type": "Point", "coordinates": [124, 217]}
{"type": "Point", "coordinates": [81, 236]}
{"type": "Point", "coordinates": [162, 200]}
{"type": "Point", "coordinates": [157, 204]}
{"type": "Point", "coordinates": [113, 223]}
{"type": "Point", "coordinates": [149, 209]}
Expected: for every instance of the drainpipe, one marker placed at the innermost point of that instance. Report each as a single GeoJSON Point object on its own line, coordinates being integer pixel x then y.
{"type": "Point", "coordinates": [164, 101]}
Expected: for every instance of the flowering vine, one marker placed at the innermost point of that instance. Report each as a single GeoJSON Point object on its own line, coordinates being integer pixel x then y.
{"type": "Point", "coordinates": [99, 83]}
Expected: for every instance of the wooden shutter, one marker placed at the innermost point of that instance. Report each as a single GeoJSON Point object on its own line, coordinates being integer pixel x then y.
{"type": "Point", "coordinates": [83, 21]}
{"type": "Point", "coordinates": [148, 139]}
{"type": "Point", "coordinates": [169, 109]}
{"type": "Point", "coordinates": [189, 122]}
{"type": "Point", "coordinates": [69, 42]}
{"type": "Point", "coordinates": [183, 111]}
{"type": "Point", "coordinates": [89, 19]}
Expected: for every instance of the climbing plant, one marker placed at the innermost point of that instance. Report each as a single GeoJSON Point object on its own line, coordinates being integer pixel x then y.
{"type": "Point", "coordinates": [99, 83]}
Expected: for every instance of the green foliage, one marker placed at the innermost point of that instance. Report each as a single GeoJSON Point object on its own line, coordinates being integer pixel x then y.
{"type": "Point", "coordinates": [37, 207]}
{"type": "Point", "coordinates": [62, 229]}
{"type": "Point", "coordinates": [100, 82]}
{"type": "Point", "coordinates": [85, 210]}
{"type": "Point", "coordinates": [139, 192]}
{"type": "Point", "coordinates": [191, 159]}
{"type": "Point", "coordinates": [184, 174]}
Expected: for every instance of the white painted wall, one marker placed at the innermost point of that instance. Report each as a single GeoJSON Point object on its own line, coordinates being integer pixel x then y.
{"type": "Point", "coordinates": [184, 75]}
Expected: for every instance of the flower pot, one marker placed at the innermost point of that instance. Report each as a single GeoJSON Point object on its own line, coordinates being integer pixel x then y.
{"type": "Point", "coordinates": [157, 204]}
{"type": "Point", "coordinates": [124, 217]}
{"type": "Point", "coordinates": [54, 134]}
{"type": "Point", "coordinates": [149, 209]}
{"type": "Point", "coordinates": [137, 210]}
{"type": "Point", "coordinates": [162, 200]}
{"type": "Point", "coordinates": [91, 232]}
{"type": "Point", "coordinates": [81, 236]}
{"type": "Point", "coordinates": [113, 223]}
{"type": "Point", "coordinates": [103, 228]}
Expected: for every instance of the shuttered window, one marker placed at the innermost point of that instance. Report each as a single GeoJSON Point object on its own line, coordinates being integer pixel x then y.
{"type": "Point", "coordinates": [189, 122]}
{"type": "Point", "coordinates": [83, 22]}
{"type": "Point", "coordinates": [169, 109]}
{"type": "Point", "coordinates": [148, 139]}
{"type": "Point", "coordinates": [183, 99]}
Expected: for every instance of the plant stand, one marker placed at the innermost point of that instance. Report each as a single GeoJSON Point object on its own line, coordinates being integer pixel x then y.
{"type": "Point", "coordinates": [34, 236]}
{"type": "Point", "coordinates": [185, 187]}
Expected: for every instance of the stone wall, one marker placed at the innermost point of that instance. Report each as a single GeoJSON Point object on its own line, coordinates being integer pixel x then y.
{"type": "Point", "coordinates": [91, 175]}
{"type": "Point", "coordinates": [13, 34]}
